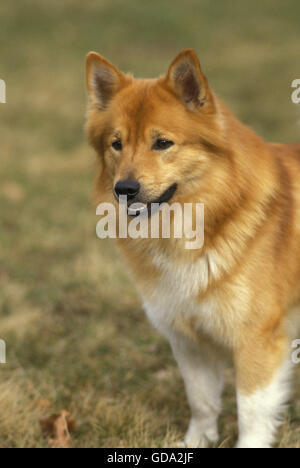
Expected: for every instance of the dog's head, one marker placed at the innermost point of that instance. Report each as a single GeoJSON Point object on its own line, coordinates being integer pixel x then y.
{"type": "Point", "coordinates": [158, 140]}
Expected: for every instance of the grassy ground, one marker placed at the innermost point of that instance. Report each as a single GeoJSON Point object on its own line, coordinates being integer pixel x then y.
{"type": "Point", "coordinates": [75, 332]}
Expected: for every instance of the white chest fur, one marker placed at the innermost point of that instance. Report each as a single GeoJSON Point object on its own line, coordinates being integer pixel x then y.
{"type": "Point", "coordinates": [176, 297]}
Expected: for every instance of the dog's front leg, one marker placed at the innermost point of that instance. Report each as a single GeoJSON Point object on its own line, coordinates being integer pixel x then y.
{"type": "Point", "coordinates": [263, 376]}
{"type": "Point", "coordinates": [202, 371]}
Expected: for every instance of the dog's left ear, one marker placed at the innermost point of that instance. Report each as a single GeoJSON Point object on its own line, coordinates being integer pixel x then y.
{"type": "Point", "coordinates": [187, 81]}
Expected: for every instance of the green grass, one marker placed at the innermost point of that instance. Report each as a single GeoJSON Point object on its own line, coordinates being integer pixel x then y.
{"type": "Point", "coordinates": [75, 331]}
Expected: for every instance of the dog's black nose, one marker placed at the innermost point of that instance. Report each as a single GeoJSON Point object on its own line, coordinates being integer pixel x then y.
{"type": "Point", "coordinates": [129, 188]}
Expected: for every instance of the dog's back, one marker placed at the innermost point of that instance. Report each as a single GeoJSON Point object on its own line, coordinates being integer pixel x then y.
{"type": "Point", "coordinates": [287, 149]}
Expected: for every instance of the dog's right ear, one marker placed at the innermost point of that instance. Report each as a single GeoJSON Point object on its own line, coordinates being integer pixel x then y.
{"type": "Point", "coordinates": [103, 80]}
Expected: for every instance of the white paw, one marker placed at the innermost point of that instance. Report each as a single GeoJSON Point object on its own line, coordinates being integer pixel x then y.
{"type": "Point", "coordinates": [199, 442]}
{"type": "Point", "coordinates": [201, 434]}
{"type": "Point", "coordinates": [252, 443]}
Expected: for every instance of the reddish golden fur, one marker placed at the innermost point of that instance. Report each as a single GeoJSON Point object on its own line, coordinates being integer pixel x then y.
{"type": "Point", "coordinates": [251, 193]}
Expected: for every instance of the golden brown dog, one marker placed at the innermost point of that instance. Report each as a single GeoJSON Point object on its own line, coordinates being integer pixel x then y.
{"type": "Point", "coordinates": [172, 139]}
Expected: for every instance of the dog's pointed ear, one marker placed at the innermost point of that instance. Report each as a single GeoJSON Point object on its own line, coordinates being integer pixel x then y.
{"type": "Point", "coordinates": [103, 80]}
{"type": "Point", "coordinates": [187, 81]}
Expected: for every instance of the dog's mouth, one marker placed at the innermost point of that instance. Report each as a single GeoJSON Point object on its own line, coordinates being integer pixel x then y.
{"type": "Point", "coordinates": [137, 208]}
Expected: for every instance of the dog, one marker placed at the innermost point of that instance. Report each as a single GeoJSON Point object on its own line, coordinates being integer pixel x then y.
{"type": "Point", "coordinates": [172, 140]}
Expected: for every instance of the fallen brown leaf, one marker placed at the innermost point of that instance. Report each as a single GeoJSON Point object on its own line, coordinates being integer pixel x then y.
{"type": "Point", "coordinates": [58, 428]}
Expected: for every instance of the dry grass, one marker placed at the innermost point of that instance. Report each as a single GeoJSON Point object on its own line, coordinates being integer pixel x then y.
{"type": "Point", "coordinates": [75, 332]}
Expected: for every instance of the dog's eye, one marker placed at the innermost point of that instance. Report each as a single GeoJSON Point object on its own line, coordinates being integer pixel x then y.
{"type": "Point", "coordinates": [117, 145]}
{"type": "Point", "coordinates": [162, 144]}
